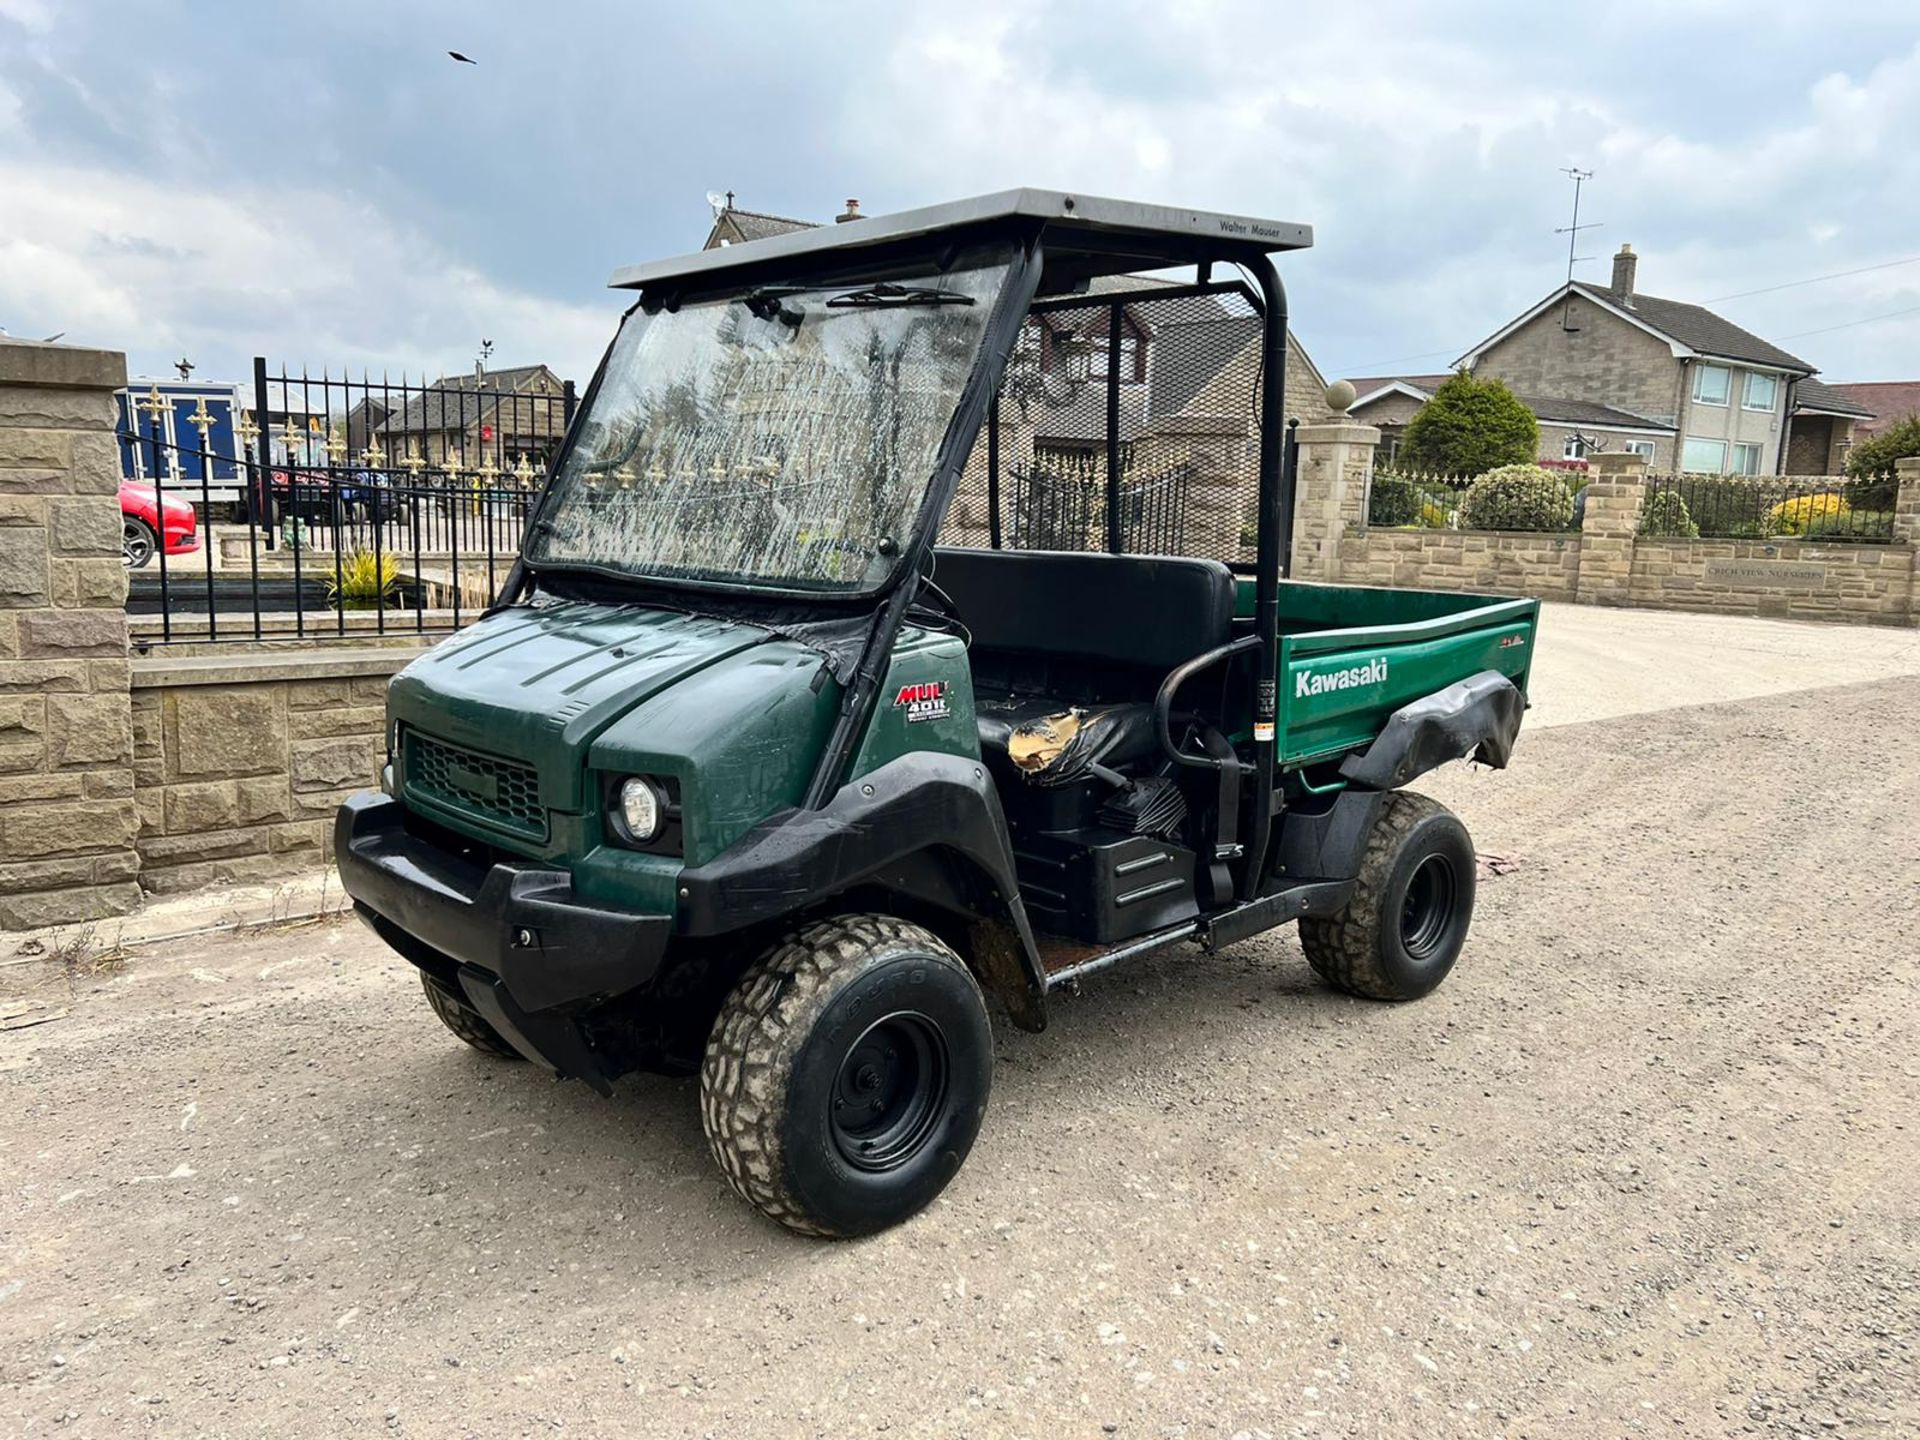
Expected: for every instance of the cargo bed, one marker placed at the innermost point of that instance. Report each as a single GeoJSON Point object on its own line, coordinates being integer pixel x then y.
{"type": "Point", "coordinates": [1350, 655]}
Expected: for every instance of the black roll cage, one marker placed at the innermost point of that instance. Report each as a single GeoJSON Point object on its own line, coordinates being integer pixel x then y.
{"type": "Point", "coordinates": [1052, 260]}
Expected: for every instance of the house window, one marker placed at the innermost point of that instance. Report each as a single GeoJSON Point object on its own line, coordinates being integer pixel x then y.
{"type": "Point", "coordinates": [1703, 457]}
{"type": "Point", "coordinates": [1575, 448]}
{"type": "Point", "coordinates": [1746, 459]}
{"type": "Point", "coordinates": [1639, 447]}
{"type": "Point", "coordinates": [1712, 384]}
{"type": "Point", "coordinates": [1762, 391]}
{"type": "Point", "coordinates": [1132, 371]}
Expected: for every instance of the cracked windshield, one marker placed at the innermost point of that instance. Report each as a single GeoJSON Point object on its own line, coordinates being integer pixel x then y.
{"type": "Point", "coordinates": [783, 437]}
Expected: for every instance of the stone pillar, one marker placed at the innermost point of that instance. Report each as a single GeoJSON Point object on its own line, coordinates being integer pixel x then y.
{"type": "Point", "coordinates": [66, 728]}
{"type": "Point", "coordinates": [1330, 496]}
{"type": "Point", "coordinates": [1614, 494]}
{"type": "Point", "coordinates": [1906, 505]}
{"type": "Point", "coordinates": [1906, 526]}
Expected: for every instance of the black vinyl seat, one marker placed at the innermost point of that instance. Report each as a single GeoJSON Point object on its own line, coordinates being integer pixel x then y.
{"type": "Point", "coordinates": [1054, 631]}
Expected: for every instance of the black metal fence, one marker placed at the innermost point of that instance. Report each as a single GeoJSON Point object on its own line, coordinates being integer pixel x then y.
{"type": "Point", "coordinates": [363, 506]}
{"type": "Point", "coordinates": [1743, 507]}
{"type": "Point", "coordinates": [1059, 502]}
{"type": "Point", "coordinates": [1515, 498]}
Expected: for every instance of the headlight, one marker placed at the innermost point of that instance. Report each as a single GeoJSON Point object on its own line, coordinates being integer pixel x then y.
{"type": "Point", "coordinates": [640, 808]}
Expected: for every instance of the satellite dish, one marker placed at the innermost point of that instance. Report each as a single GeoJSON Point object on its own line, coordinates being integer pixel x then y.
{"type": "Point", "coordinates": [718, 202]}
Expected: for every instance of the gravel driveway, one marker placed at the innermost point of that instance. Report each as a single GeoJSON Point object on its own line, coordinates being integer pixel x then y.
{"type": "Point", "coordinates": [1647, 1165]}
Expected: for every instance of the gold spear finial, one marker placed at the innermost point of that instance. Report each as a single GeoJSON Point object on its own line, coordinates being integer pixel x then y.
{"type": "Point", "coordinates": [155, 403]}
{"type": "Point", "coordinates": [249, 432]}
{"type": "Point", "coordinates": [373, 454]}
{"type": "Point", "coordinates": [336, 446]}
{"type": "Point", "coordinates": [488, 471]}
{"type": "Point", "coordinates": [412, 464]}
{"type": "Point", "coordinates": [523, 472]}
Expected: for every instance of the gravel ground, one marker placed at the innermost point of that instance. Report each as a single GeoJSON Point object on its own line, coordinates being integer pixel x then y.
{"type": "Point", "coordinates": [1644, 1166]}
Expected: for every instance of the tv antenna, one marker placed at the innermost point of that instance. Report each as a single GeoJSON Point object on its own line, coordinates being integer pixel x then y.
{"type": "Point", "coordinates": [1572, 231]}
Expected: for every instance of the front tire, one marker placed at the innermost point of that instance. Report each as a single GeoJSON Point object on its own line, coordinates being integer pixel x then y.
{"type": "Point", "coordinates": [1399, 934]}
{"type": "Point", "coordinates": [466, 1022]}
{"type": "Point", "coordinates": [847, 1076]}
{"type": "Point", "coordinates": [137, 542]}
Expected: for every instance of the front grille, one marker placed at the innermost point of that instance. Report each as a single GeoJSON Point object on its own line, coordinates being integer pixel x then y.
{"type": "Point", "coordinates": [500, 792]}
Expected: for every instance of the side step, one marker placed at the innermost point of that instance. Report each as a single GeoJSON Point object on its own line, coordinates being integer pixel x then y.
{"type": "Point", "coordinates": [1068, 960]}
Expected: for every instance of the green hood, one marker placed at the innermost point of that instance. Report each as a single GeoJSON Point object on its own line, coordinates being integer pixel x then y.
{"type": "Point", "coordinates": [538, 683]}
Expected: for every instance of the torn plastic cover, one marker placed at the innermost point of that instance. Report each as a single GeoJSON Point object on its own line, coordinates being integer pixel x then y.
{"type": "Point", "coordinates": [1071, 746]}
{"type": "Point", "coordinates": [1478, 716]}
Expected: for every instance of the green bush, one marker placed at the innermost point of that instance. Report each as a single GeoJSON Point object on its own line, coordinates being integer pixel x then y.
{"type": "Point", "coordinates": [1870, 464]}
{"type": "Point", "coordinates": [1665, 517]}
{"type": "Point", "coordinates": [1878, 493]}
{"type": "Point", "coordinates": [1469, 426]}
{"type": "Point", "coordinates": [1853, 525]}
{"type": "Point", "coordinates": [1517, 497]}
{"type": "Point", "coordinates": [1396, 500]}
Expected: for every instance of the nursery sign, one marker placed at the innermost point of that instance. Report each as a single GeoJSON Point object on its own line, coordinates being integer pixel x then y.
{"type": "Point", "coordinates": [1779, 574]}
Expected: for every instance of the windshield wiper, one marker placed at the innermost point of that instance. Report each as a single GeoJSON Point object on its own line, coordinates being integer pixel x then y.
{"type": "Point", "coordinates": [768, 303]}
{"type": "Point", "coordinates": [888, 293]}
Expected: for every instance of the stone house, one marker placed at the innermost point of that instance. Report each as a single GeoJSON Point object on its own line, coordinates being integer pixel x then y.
{"type": "Point", "coordinates": [1826, 422]}
{"type": "Point", "coordinates": [508, 414]}
{"type": "Point", "coordinates": [1719, 398]}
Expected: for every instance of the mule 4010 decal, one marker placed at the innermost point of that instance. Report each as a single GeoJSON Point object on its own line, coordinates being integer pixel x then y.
{"type": "Point", "coordinates": [926, 700]}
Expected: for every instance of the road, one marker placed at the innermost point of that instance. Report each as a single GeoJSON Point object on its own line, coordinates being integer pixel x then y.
{"type": "Point", "coordinates": [1644, 1166]}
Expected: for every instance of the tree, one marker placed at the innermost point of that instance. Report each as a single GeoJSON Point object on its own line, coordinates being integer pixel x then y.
{"type": "Point", "coordinates": [1470, 426]}
{"type": "Point", "coordinates": [1870, 464]}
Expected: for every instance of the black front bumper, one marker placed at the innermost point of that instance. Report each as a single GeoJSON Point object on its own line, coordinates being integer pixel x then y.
{"type": "Point", "coordinates": [512, 936]}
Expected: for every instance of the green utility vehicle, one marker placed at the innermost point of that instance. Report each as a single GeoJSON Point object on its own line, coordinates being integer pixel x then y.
{"type": "Point", "coordinates": [748, 775]}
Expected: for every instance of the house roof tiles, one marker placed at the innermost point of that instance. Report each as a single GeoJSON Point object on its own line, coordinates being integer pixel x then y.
{"type": "Point", "coordinates": [1697, 328]}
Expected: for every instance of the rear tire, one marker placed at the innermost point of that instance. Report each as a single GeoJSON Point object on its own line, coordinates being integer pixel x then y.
{"type": "Point", "coordinates": [1401, 931]}
{"type": "Point", "coordinates": [847, 1075]}
{"type": "Point", "coordinates": [466, 1022]}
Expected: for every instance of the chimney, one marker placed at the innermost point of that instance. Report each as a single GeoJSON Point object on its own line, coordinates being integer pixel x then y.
{"type": "Point", "coordinates": [852, 212]}
{"type": "Point", "coordinates": [1624, 264]}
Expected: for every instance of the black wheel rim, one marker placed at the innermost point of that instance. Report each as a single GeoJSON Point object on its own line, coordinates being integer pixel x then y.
{"type": "Point", "coordinates": [136, 549]}
{"type": "Point", "coordinates": [1426, 914]}
{"type": "Point", "coordinates": [891, 1092]}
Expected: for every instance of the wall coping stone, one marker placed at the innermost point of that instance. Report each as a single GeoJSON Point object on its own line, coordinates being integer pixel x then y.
{"type": "Point", "coordinates": [70, 367]}
{"type": "Point", "coordinates": [157, 672]}
{"type": "Point", "coordinates": [1339, 433]}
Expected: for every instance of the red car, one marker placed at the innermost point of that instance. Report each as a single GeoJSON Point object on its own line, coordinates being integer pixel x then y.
{"type": "Point", "coordinates": [140, 512]}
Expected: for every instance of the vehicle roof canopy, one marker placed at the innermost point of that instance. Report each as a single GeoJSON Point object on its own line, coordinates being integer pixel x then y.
{"type": "Point", "coordinates": [1091, 235]}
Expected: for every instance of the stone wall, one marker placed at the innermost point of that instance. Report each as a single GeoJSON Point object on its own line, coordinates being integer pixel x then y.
{"type": "Point", "coordinates": [1786, 579]}
{"type": "Point", "coordinates": [66, 783]}
{"type": "Point", "coordinates": [241, 760]}
{"type": "Point", "coordinates": [1495, 562]}
{"type": "Point", "coordinates": [1606, 561]}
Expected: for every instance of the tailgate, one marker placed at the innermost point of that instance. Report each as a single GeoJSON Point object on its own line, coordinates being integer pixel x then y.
{"type": "Point", "coordinates": [1337, 687]}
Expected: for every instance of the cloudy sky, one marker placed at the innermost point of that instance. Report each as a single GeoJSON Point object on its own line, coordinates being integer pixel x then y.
{"type": "Point", "coordinates": [322, 184]}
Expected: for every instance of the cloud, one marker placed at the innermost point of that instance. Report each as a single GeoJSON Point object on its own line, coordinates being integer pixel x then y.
{"type": "Point", "coordinates": [310, 277]}
{"type": "Point", "coordinates": [381, 205]}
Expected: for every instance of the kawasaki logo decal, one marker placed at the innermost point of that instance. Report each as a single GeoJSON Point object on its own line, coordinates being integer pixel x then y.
{"type": "Point", "coordinates": [1374, 672]}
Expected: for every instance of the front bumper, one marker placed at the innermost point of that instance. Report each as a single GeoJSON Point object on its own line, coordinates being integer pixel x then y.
{"type": "Point", "coordinates": [520, 938]}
